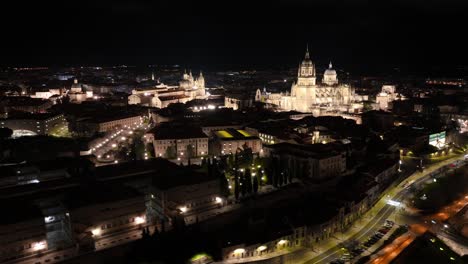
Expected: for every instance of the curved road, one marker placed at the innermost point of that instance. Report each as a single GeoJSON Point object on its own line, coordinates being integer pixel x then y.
{"type": "Point", "coordinates": [384, 213]}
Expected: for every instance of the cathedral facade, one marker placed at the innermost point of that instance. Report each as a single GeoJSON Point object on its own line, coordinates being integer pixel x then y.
{"type": "Point", "coordinates": [307, 95]}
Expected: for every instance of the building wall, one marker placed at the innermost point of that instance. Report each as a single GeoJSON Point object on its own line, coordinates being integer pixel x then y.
{"type": "Point", "coordinates": [313, 167]}
{"type": "Point", "coordinates": [298, 238]}
{"type": "Point", "coordinates": [40, 127]}
{"type": "Point", "coordinates": [226, 146]}
{"type": "Point", "coordinates": [101, 220]}
{"type": "Point", "coordinates": [22, 239]}
{"type": "Point", "coordinates": [199, 146]}
{"type": "Point", "coordinates": [118, 123]}
{"type": "Point", "coordinates": [41, 108]}
{"type": "Point", "coordinates": [195, 200]}
{"type": "Point", "coordinates": [236, 104]}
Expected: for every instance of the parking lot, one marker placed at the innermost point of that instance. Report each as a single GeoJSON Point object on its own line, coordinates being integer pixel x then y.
{"type": "Point", "coordinates": [354, 249]}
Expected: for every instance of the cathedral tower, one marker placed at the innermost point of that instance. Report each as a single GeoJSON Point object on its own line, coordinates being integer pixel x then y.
{"type": "Point", "coordinates": [306, 73]}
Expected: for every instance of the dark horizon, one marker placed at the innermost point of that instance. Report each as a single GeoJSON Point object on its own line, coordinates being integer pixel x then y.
{"type": "Point", "coordinates": [357, 36]}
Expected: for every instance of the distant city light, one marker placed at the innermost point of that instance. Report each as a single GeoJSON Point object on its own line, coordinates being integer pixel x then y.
{"type": "Point", "coordinates": [96, 231]}
{"type": "Point", "coordinates": [261, 248]}
{"type": "Point", "coordinates": [139, 220]}
{"type": "Point", "coordinates": [282, 242]}
{"type": "Point", "coordinates": [49, 219]}
{"type": "Point", "coordinates": [239, 251]}
{"type": "Point", "coordinates": [39, 245]}
{"type": "Point", "coordinates": [393, 203]}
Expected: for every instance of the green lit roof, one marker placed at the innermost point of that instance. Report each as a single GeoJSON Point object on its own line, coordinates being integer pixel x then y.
{"type": "Point", "coordinates": [244, 133]}
{"type": "Point", "coordinates": [200, 256]}
{"type": "Point", "coordinates": [234, 134]}
{"type": "Point", "coordinates": [224, 134]}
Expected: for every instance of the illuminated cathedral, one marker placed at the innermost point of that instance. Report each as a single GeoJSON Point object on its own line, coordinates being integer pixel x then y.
{"type": "Point", "coordinates": [307, 95]}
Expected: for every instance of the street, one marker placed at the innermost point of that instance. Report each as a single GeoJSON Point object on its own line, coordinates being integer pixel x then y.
{"type": "Point", "coordinates": [397, 194]}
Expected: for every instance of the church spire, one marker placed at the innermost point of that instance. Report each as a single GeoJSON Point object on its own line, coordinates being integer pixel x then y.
{"type": "Point", "coordinates": [330, 65]}
{"type": "Point", "coordinates": [307, 56]}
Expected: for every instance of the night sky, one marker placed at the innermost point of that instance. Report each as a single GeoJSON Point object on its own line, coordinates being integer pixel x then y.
{"type": "Point", "coordinates": [358, 35]}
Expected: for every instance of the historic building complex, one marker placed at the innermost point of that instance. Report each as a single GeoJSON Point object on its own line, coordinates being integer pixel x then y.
{"type": "Point", "coordinates": [308, 96]}
{"type": "Point", "coordinates": [162, 95]}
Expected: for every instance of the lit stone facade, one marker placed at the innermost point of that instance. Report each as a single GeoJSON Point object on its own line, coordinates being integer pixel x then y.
{"type": "Point", "coordinates": [162, 95]}
{"type": "Point", "coordinates": [35, 124]}
{"type": "Point", "coordinates": [387, 95]}
{"type": "Point", "coordinates": [306, 95]}
{"type": "Point", "coordinates": [178, 141]}
{"type": "Point", "coordinates": [76, 93]}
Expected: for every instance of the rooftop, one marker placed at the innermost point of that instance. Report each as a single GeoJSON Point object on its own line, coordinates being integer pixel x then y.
{"type": "Point", "coordinates": [308, 150]}
{"type": "Point", "coordinates": [97, 193]}
{"type": "Point", "coordinates": [30, 116]}
{"type": "Point", "coordinates": [177, 131]}
{"type": "Point", "coordinates": [14, 215]}
{"type": "Point", "coordinates": [234, 134]}
{"type": "Point", "coordinates": [22, 101]}
{"type": "Point", "coordinates": [163, 173]}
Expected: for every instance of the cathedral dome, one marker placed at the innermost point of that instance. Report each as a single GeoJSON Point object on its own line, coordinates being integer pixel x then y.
{"type": "Point", "coordinates": [330, 70]}
{"type": "Point", "coordinates": [329, 77]}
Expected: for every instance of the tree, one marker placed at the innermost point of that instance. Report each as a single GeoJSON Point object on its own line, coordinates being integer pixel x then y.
{"type": "Point", "coordinates": [292, 170]}
{"type": "Point", "coordinates": [244, 157]}
{"type": "Point", "coordinates": [215, 168]}
{"type": "Point", "coordinates": [255, 184]}
{"type": "Point", "coordinates": [190, 151]}
{"type": "Point", "coordinates": [305, 169]}
{"type": "Point", "coordinates": [367, 105]}
{"type": "Point", "coordinates": [230, 161]}
{"type": "Point", "coordinates": [5, 132]}
{"type": "Point", "coordinates": [224, 185]}
{"type": "Point", "coordinates": [243, 186]}
{"type": "Point", "coordinates": [171, 152]}
{"type": "Point", "coordinates": [145, 233]}
{"type": "Point", "coordinates": [156, 232]}
{"type": "Point", "coordinates": [274, 177]}
{"type": "Point", "coordinates": [150, 150]}
{"type": "Point", "coordinates": [248, 181]}
{"type": "Point", "coordinates": [138, 148]}
{"type": "Point", "coordinates": [236, 185]}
